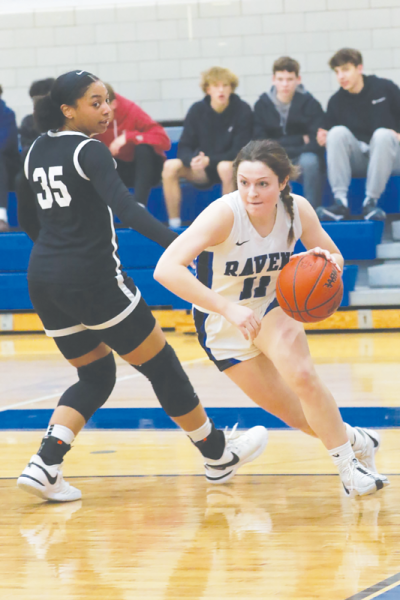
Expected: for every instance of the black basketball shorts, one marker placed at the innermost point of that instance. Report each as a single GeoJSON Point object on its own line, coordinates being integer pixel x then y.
{"type": "Point", "coordinates": [112, 312]}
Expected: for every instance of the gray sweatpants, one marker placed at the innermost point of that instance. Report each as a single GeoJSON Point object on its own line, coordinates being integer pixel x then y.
{"type": "Point", "coordinates": [347, 158]}
{"type": "Point", "coordinates": [311, 177]}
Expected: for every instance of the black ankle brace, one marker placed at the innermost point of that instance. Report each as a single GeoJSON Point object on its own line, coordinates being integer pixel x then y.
{"type": "Point", "coordinates": [213, 445]}
{"type": "Point", "coordinates": [53, 450]}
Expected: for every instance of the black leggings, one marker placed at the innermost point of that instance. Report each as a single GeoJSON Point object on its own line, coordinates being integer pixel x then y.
{"type": "Point", "coordinates": [143, 173]}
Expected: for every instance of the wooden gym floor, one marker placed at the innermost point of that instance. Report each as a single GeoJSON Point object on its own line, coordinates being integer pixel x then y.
{"type": "Point", "coordinates": [149, 526]}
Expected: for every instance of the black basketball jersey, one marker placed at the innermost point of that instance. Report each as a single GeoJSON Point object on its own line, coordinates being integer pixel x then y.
{"type": "Point", "coordinates": [76, 189]}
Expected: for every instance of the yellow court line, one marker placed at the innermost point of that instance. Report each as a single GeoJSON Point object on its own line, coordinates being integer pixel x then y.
{"type": "Point", "coordinates": [381, 592]}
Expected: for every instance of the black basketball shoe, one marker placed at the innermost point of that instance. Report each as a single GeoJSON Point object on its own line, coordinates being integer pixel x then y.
{"type": "Point", "coordinates": [335, 212]}
{"type": "Point", "coordinates": [372, 212]}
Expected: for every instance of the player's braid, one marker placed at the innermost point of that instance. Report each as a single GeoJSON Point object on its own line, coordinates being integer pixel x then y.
{"type": "Point", "coordinates": [287, 200]}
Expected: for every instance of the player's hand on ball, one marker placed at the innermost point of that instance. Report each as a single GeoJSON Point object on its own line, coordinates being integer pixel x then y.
{"type": "Point", "coordinates": [244, 318]}
{"type": "Point", "coordinates": [319, 252]}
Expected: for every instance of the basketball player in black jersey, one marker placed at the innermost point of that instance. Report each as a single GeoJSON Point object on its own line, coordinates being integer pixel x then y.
{"type": "Point", "coordinates": [87, 304]}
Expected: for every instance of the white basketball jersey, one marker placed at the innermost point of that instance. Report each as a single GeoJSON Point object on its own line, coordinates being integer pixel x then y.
{"type": "Point", "coordinates": [244, 269]}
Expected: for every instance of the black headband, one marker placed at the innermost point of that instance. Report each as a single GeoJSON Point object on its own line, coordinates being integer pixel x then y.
{"type": "Point", "coordinates": [68, 87]}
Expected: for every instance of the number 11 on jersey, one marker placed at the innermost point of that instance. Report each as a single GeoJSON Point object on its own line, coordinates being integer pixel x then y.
{"type": "Point", "coordinates": [259, 292]}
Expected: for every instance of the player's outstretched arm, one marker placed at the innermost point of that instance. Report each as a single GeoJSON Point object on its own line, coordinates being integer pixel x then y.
{"type": "Point", "coordinates": [314, 237]}
{"type": "Point", "coordinates": [98, 165]}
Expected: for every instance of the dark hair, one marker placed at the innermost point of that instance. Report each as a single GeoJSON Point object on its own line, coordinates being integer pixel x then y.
{"type": "Point", "coordinates": [41, 87]}
{"type": "Point", "coordinates": [344, 56]}
{"type": "Point", "coordinates": [285, 63]}
{"type": "Point", "coordinates": [273, 156]}
{"type": "Point", "coordinates": [67, 89]}
{"type": "Point", "coordinates": [1, 90]}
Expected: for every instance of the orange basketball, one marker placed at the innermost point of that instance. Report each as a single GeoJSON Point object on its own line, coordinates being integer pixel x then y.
{"type": "Point", "coordinates": [309, 288]}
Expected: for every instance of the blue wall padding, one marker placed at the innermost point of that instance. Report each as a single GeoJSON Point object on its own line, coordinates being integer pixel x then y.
{"type": "Point", "coordinates": [156, 418]}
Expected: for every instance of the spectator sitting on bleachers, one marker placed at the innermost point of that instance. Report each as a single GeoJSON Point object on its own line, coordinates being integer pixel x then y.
{"type": "Point", "coordinates": [27, 130]}
{"type": "Point", "coordinates": [10, 159]}
{"type": "Point", "coordinates": [214, 131]}
{"type": "Point", "coordinates": [361, 133]}
{"type": "Point", "coordinates": [137, 143]}
{"type": "Point", "coordinates": [292, 116]}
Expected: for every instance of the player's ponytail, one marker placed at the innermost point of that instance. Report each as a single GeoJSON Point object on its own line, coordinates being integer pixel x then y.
{"type": "Point", "coordinates": [66, 89]}
{"type": "Point", "coordinates": [47, 114]}
{"type": "Point", "coordinates": [274, 156]}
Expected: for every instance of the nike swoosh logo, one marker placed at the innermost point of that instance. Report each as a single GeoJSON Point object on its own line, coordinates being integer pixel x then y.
{"type": "Point", "coordinates": [378, 100]}
{"type": "Point", "coordinates": [241, 243]}
{"type": "Point", "coordinates": [80, 73]}
{"type": "Point", "coordinates": [335, 455]}
{"type": "Point", "coordinates": [373, 439]}
{"type": "Point", "coordinates": [51, 479]}
{"type": "Point", "coordinates": [233, 462]}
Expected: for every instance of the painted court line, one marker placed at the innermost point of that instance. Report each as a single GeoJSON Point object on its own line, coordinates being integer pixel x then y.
{"type": "Point", "coordinates": [182, 475]}
{"type": "Point", "coordinates": [379, 589]}
{"type": "Point", "coordinates": [126, 377]}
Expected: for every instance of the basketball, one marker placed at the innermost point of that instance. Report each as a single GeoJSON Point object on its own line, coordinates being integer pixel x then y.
{"type": "Point", "coordinates": [309, 288]}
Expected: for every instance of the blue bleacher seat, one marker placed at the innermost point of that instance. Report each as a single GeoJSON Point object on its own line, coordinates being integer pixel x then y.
{"type": "Point", "coordinates": [15, 249]}
{"type": "Point", "coordinates": [139, 257]}
{"type": "Point", "coordinates": [356, 240]}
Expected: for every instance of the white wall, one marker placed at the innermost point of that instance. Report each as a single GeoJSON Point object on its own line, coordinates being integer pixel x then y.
{"type": "Point", "coordinates": [153, 51]}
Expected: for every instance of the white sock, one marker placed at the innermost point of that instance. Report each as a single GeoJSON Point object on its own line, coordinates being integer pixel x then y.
{"type": "Point", "coordinates": [62, 433]}
{"type": "Point", "coordinates": [4, 216]}
{"type": "Point", "coordinates": [175, 222]}
{"type": "Point", "coordinates": [342, 455]}
{"type": "Point", "coordinates": [201, 433]}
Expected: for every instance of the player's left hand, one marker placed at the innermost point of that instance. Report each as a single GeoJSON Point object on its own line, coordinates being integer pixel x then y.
{"type": "Point", "coordinates": [320, 252]}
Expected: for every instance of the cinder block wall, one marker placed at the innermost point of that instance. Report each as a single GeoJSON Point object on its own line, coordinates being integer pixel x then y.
{"type": "Point", "coordinates": [153, 51]}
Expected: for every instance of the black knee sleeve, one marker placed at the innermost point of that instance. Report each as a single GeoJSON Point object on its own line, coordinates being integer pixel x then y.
{"type": "Point", "coordinates": [170, 383]}
{"type": "Point", "coordinates": [96, 382]}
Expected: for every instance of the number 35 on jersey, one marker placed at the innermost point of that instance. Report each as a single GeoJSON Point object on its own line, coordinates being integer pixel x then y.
{"type": "Point", "coordinates": [54, 189]}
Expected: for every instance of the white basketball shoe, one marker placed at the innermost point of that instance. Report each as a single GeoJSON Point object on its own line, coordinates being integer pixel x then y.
{"type": "Point", "coordinates": [46, 482]}
{"type": "Point", "coordinates": [358, 481]}
{"type": "Point", "coordinates": [366, 444]}
{"type": "Point", "coordinates": [240, 449]}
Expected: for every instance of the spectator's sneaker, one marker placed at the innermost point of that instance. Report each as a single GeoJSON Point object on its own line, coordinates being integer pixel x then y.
{"type": "Point", "coordinates": [335, 212]}
{"type": "Point", "coordinates": [46, 482]}
{"type": "Point", "coordinates": [240, 449]}
{"type": "Point", "coordinates": [358, 481]}
{"type": "Point", "coordinates": [372, 212]}
{"type": "Point", "coordinates": [368, 443]}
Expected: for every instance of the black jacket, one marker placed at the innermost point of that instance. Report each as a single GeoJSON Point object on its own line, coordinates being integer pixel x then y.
{"type": "Point", "coordinates": [304, 118]}
{"type": "Point", "coordinates": [28, 133]}
{"type": "Point", "coordinates": [377, 105]}
{"type": "Point", "coordinates": [219, 135]}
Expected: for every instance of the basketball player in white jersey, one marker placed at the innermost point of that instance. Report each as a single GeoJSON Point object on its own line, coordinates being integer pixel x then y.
{"type": "Point", "coordinates": [249, 235]}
